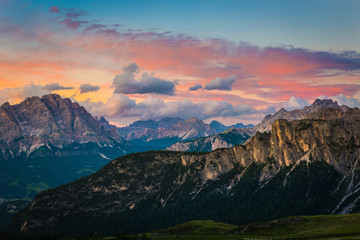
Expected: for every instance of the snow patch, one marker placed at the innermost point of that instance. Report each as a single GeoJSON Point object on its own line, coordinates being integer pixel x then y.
{"type": "Point", "coordinates": [34, 147]}
{"type": "Point", "coordinates": [103, 156]}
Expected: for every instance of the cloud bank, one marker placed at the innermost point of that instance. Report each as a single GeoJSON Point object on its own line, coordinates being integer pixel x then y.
{"type": "Point", "coordinates": [85, 88]}
{"type": "Point", "coordinates": [126, 83]}
{"type": "Point", "coordinates": [221, 84]}
{"type": "Point", "coordinates": [121, 106]}
{"type": "Point", "coordinates": [196, 87]}
{"type": "Point", "coordinates": [15, 95]}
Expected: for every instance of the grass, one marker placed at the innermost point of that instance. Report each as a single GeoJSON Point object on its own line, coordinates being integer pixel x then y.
{"type": "Point", "coordinates": [297, 227]}
{"type": "Point", "coordinates": [306, 226]}
{"type": "Point", "coordinates": [199, 227]}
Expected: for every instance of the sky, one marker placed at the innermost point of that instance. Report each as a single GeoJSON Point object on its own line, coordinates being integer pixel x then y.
{"type": "Point", "coordinates": [231, 61]}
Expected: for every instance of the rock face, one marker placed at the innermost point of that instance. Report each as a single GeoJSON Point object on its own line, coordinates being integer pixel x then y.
{"type": "Point", "coordinates": [188, 129]}
{"type": "Point", "coordinates": [51, 119]}
{"type": "Point", "coordinates": [297, 114]}
{"type": "Point", "coordinates": [308, 166]}
{"type": "Point", "coordinates": [229, 138]}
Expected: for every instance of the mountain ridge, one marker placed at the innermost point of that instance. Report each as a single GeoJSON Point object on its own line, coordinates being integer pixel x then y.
{"type": "Point", "coordinates": [229, 138]}
{"type": "Point", "coordinates": [291, 162]}
{"type": "Point", "coordinates": [297, 114]}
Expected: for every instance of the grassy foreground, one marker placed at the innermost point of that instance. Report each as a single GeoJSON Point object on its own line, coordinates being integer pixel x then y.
{"type": "Point", "coordinates": [298, 227]}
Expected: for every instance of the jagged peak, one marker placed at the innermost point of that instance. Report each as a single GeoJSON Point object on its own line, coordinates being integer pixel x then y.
{"type": "Point", "coordinates": [193, 119]}
{"type": "Point", "coordinates": [232, 128]}
{"type": "Point", "coordinates": [282, 110]}
{"type": "Point", "coordinates": [5, 105]}
{"type": "Point", "coordinates": [324, 103]}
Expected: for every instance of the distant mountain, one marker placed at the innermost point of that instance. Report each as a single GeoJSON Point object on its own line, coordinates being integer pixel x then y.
{"type": "Point", "coordinates": [51, 119]}
{"type": "Point", "coordinates": [297, 114]}
{"type": "Point", "coordinates": [302, 167]}
{"type": "Point", "coordinates": [219, 127]}
{"type": "Point", "coordinates": [229, 138]}
{"type": "Point", "coordinates": [49, 141]}
{"type": "Point", "coordinates": [188, 129]}
{"type": "Point", "coordinates": [167, 128]}
{"type": "Point", "coordinates": [105, 123]}
{"type": "Point", "coordinates": [162, 123]}
{"type": "Point", "coordinates": [241, 125]}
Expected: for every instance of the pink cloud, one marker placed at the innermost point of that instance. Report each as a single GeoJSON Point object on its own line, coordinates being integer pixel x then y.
{"type": "Point", "coordinates": [263, 74]}
{"type": "Point", "coordinates": [54, 9]}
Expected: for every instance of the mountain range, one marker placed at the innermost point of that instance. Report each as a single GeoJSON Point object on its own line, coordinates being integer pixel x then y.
{"type": "Point", "coordinates": [49, 141]}
{"type": "Point", "coordinates": [219, 127]}
{"type": "Point", "coordinates": [229, 138]}
{"type": "Point", "coordinates": [302, 167]}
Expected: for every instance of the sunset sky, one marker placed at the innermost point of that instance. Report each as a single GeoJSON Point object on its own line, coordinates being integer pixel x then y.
{"type": "Point", "coordinates": [233, 61]}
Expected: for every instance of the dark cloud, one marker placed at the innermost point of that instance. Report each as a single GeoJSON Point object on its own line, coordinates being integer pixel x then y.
{"type": "Point", "coordinates": [85, 88]}
{"type": "Point", "coordinates": [131, 68]}
{"type": "Point", "coordinates": [221, 84]}
{"type": "Point", "coordinates": [196, 87]}
{"type": "Point", "coordinates": [94, 27]}
{"type": "Point", "coordinates": [55, 86]}
{"type": "Point", "coordinates": [74, 13]}
{"type": "Point", "coordinates": [73, 25]}
{"type": "Point", "coordinates": [126, 83]}
{"type": "Point", "coordinates": [54, 9]}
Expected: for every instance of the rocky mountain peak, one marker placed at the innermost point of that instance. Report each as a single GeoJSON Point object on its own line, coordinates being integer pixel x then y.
{"type": "Point", "coordinates": [50, 119]}
{"type": "Point", "coordinates": [195, 120]}
{"type": "Point", "coordinates": [266, 123]}
{"type": "Point", "coordinates": [282, 110]}
{"type": "Point", "coordinates": [323, 103]}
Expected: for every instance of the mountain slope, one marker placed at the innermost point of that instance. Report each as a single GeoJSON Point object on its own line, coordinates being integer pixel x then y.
{"type": "Point", "coordinates": [48, 141]}
{"type": "Point", "coordinates": [303, 167]}
{"type": "Point", "coordinates": [229, 138]}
